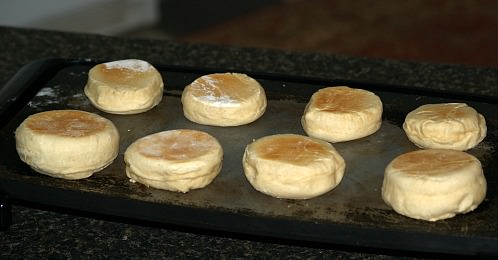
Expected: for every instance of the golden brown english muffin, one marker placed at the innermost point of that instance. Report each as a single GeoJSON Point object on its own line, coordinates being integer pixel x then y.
{"type": "Point", "coordinates": [68, 144]}
{"type": "Point", "coordinates": [292, 166]}
{"type": "Point", "coordinates": [175, 160]}
{"type": "Point", "coordinates": [341, 113]}
{"type": "Point", "coordinates": [224, 99]}
{"type": "Point", "coordinates": [454, 126]}
{"type": "Point", "coordinates": [434, 184]}
{"type": "Point", "coordinates": [124, 86]}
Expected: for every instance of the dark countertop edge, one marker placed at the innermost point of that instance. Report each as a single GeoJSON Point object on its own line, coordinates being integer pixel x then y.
{"type": "Point", "coordinates": [32, 44]}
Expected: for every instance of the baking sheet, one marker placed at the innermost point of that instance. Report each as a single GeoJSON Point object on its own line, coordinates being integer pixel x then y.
{"type": "Point", "coordinates": [352, 214]}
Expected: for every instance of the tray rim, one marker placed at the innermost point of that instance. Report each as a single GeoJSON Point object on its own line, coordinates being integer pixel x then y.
{"type": "Point", "coordinates": [324, 233]}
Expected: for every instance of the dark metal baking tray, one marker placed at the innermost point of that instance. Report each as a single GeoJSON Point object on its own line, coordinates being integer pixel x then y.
{"type": "Point", "coordinates": [351, 214]}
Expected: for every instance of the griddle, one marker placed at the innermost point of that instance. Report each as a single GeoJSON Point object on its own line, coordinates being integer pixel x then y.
{"type": "Point", "coordinates": [352, 214]}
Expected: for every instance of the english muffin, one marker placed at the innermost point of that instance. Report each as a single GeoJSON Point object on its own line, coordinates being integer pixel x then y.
{"type": "Point", "coordinates": [337, 114]}
{"type": "Point", "coordinates": [124, 86]}
{"type": "Point", "coordinates": [454, 126]}
{"type": "Point", "coordinates": [224, 99]}
{"type": "Point", "coordinates": [434, 184]}
{"type": "Point", "coordinates": [292, 166]}
{"type": "Point", "coordinates": [68, 144]}
{"type": "Point", "coordinates": [174, 160]}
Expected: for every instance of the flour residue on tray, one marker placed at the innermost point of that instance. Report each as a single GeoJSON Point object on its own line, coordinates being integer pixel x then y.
{"type": "Point", "coordinates": [46, 96]}
{"type": "Point", "coordinates": [46, 92]}
{"type": "Point", "coordinates": [78, 74]}
{"type": "Point", "coordinates": [54, 95]}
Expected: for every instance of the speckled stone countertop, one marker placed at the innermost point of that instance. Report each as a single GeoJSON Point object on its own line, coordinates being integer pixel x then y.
{"type": "Point", "coordinates": [42, 233]}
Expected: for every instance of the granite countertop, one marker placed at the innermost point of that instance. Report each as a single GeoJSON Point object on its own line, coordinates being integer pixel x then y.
{"type": "Point", "coordinates": [55, 233]}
